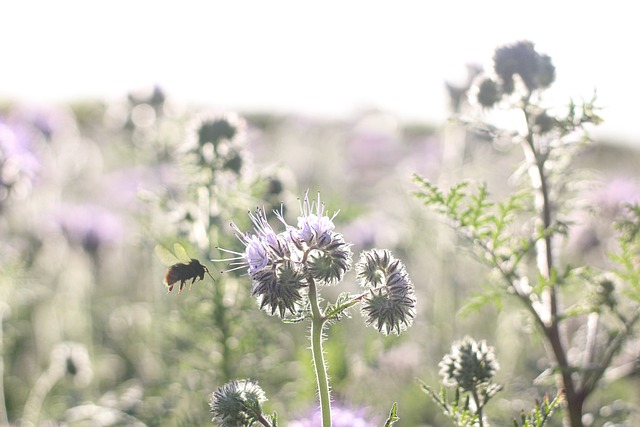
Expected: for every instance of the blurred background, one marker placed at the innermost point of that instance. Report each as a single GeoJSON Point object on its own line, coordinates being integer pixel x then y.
{"type": "Point", "coordinates": [124, 125]}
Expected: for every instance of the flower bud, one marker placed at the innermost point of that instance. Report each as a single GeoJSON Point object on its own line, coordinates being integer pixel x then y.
{"type": "Point", "coordinates": [331, 261]}
{"type": "Point", "coordinates": [279, 288]}
{"type": "Point", "coordinates": [488, 93]}
{"type": "Point", "coordinates": [470, 364]}
{"type": "Point", "coordinates": [237, 403]}
{"type": "Point", "coordinates": [390, 306]}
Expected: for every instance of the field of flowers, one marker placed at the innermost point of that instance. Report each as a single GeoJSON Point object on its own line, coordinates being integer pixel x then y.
{"type": "Point", "coordinates": [90, 335]}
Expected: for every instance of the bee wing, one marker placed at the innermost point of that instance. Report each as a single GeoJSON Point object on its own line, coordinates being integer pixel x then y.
{"type": "Point", "coordinates": [181, 253]}
{"type": "Point", "coordinates": [166, 256]}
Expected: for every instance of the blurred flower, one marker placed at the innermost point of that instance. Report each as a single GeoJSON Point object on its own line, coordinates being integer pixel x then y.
{"type": "Point", "coordinates": [616, 193]}
{"type": "Point", "coordinates": [90, 226]}
{"type": "Point", "coordinates": [237, 403]}
{"type": "Point", "coordinates": [341, 416]}
{"type": "Point", "coordinates": [70, 358]}
{"type": "Point", "coordinates": [521, 58]}
{"type": "Point", "coordinates": [390, 305]}
{"type": "Point", "coordinates": [18, 163]}
{"type": "Point", "coordinates": [470, 364]}
{"type": "Point", "coordinates": [488, 93]}
{"type": "Point", "coordinates": [220, 142]}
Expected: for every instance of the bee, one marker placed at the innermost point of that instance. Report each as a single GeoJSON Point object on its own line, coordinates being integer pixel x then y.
{"type": "Point", "coordinates": [182, 268]}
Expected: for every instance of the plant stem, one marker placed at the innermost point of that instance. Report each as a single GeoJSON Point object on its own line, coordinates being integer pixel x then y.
{"type": "Point", "coordinates": [4, 417]}
{"type": "Point", "coordinates": [476, 398]}
{"type": "Point", "coordinates": [551, 320]}
{"type": "Point", "coordinates": [317, 325]}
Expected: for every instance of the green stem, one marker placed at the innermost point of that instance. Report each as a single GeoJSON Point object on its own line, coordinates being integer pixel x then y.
{"type": "Point", "coordinates": [317, 324]}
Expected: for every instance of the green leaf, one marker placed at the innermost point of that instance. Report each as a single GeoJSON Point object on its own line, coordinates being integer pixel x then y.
{"type": "Point", "coordinates": [393, 417]}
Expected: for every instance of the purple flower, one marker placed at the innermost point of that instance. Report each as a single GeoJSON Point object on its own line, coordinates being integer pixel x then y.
{"type": "Point", "coordinates": [18, 163]}
{"type": "Point", "coordinates": [616, 193]}
{"type": "Point", "coordinates": [341, 416]}
{"type": "Point", "coordinates": [90, 226]}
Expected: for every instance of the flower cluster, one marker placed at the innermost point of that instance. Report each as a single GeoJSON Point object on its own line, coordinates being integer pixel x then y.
{"type": "Point", "coordinates": [470, 364]}
{"type": "Point", "coordinates": [535, 70]}
{"type": "Point", "coordinates": [237, 403]}
{"type": "Point", "coordinates": [390, 305]}
{"type": "Point", "coordinates": [220, 142]}
{"type": "Point", "coordinates": [283, 265]}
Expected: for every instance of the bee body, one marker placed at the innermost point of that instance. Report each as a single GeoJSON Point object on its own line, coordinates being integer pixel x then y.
{"type": "Point", "coordinates": [182, 273]}
{"type": "Point", "coordinates": [182, 268]}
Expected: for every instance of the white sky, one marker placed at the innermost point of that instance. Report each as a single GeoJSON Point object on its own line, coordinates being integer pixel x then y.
{"type": "Point", "coordinates": [329, 58]}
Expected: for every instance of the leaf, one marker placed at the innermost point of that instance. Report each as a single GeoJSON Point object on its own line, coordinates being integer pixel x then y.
{"type": "Point", "coordinates": [393, 417]}
{"type": "Point", "coordinates": [541, 413]}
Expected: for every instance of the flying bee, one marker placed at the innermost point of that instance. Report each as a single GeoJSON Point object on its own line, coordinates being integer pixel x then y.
{"type": "Point", "coordinates": [181, 267]}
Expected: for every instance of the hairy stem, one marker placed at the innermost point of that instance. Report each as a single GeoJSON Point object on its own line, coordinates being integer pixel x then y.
{"type": "Point", "coordinates": [317, 325]}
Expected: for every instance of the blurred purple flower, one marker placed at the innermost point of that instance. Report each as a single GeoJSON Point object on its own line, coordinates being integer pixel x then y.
{"type": "Point", "coordinates": [615, 194]}
{"type": "Point", "coordinates": [18, 163]}
{"type": "Point", "coordinates": [125, 186]}
{"type": "Point", "coordinates": [341, 416]}
{"type": "Point", "coordinates": [90, 226]}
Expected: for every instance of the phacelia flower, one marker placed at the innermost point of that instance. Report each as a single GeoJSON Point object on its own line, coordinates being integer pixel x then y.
{"type": "Point", "coordinates": [220, 142]}
{"type": "Point", "coordinates": [535, 70]}
{"type": "Point", "coordinates": [390, 304]}
{"type": "Point", "coordinates": [282, 264]}
{"type": "Point", "coordinates": [237, 403]}
{"type": "Point", "coordinates": [469, 365]}
{"type": "Point", "coordinates": [341, 416]}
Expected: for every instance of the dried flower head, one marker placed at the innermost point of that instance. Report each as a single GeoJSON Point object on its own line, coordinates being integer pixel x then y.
{"type": "Point", "coordinates": [470, 364]}
{"type": "Point", "coordinates": [237, 403]}
{"type": "Point", "coordinates": [390, 305]}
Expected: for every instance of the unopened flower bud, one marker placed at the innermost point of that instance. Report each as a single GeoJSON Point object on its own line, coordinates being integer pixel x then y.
{"type": "Point", "coordinates": [470, 364]}
{"type": "Point", "coordinates": [237, 403]}
{"type": "Point", "coordinates": [279, 288]}
{"type": "Point", "coordinates": [390, 306]}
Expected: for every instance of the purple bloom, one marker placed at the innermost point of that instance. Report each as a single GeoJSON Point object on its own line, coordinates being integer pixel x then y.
{"type": "Point", "coordinates": [90, 226]}
{"type": "Point", "coordinates": [18, 163]}
{"type": "Point", "coordinates": [341, 416]}
{"type": "Point", "coordinates": [616, 193]}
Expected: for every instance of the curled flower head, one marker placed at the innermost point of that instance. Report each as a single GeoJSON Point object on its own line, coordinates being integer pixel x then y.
{"type": "Point", "coordinates": [279, 289]}
{"type": "Point", "coordinates": [220, 142]}
{"type": "Point", "coordinates": [237, 403]}
{"type": "Point", "coordinates": [282, 264]}
{"type": "Point", "coordinates": [470, 364]}
{"type": "Point", "coordinates": [390, 305]}
{"type": "Point", "coordinates": [535, 70]}
{"type": "Point", "coordinates": [329, 263]}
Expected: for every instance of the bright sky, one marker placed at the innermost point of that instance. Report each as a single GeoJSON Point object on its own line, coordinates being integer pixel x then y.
{"type": "Point", "coordinates": [329, 58]}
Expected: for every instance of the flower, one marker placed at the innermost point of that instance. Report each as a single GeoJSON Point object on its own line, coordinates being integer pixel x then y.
{"type": "Point", "coordinates": [390, 304]}
{"type": "Point", "coordinates": [535, 70]}
{"type": "Point", "coordinates": [90, 226]}
{"type": "Point", "coordinates": [282, 264]}
{"type": "Point", "coordinates": [341, 416]}
{"type": "Point", "coordinates": [237, 403]}
{"type": "Point", "coordinates": [19, 164]}
{"type": "Point", "coordinates": [470, 364]}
